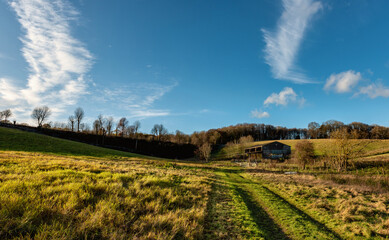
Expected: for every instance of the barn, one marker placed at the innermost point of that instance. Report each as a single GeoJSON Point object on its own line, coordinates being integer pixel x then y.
{"type": "Point", "coordinates": [273, 150]}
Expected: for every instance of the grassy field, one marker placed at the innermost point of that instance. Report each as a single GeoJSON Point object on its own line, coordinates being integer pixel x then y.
{"type": "Point", "coordinates": [58, 189]}
{"type": "Point", "coordinates": [375, 147]}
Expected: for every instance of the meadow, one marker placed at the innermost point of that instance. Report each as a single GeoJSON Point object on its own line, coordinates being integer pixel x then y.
{"type": "Point", "coordinates": [58, 189]}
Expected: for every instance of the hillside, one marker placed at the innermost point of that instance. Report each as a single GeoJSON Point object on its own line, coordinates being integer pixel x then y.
{"type": "Point", "coordinates": [57, 189]}
{"type": "Point", "coordinates": [375, 147]}
{"type": "Point", "coordinates": [17, 140]}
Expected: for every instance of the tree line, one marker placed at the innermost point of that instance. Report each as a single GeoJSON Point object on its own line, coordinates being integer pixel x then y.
{"type": "Point", "coordinates": [205, 141]}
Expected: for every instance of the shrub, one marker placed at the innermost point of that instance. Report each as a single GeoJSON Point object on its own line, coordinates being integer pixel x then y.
{"type": "Point", "coordinates": [304, 153]}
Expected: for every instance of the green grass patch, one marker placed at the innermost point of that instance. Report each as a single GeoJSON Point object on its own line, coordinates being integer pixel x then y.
{"type": "Point", "coordinates": [17, 140]}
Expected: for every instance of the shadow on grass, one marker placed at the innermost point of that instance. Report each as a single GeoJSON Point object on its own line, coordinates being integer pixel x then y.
{"type": "Point", "coordinates": [270, 229]}
{"type": "Point", "coordinates": [304, 216]}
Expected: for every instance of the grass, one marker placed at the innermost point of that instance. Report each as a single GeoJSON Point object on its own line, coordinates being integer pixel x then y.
{"type": "Point", "coordinates": [16, 140]}
{"type": "Point", "coordinates": [350, 212]}
{"type": "Point", "coordinates": [95, 193]}
{"type": "Point", "coordinates": [57, 189]}
{"type": "Point", "coordinates": [376, 147]}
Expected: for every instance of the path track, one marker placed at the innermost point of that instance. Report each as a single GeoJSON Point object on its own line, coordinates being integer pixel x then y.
{"type": "Point", "coordinates": [241, 208]}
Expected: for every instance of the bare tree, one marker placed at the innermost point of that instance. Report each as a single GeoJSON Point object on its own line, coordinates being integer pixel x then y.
{"type": "Point", "coordinates": [313, 129]}
{"type": "Point", "coordinates": [40, 114]}
{"type": "Point", "coordinates": [79, 115]}
{"type": "Point", "coordinates": [136, 126]}
{"type": "Point", "coordinates": [304, 153]}
{"type": "Point", "coordinates": [204, 151]}
{"type": "Point", "coordinates": [122, 125]}
{"type": "Point", "coordinates": [96, 126]}
{"type": "Point", "coordinates": [71, 122]}
{"type": "Point", "coordinates": [159, 130]}
{"type": "Point", "coordinates": [130, 130]}
{"type": "Point", "coordinates": [109, 125]}
{"type": "Point", "coordinates": [343, 148]}
{"type": "Point", "coordinates": [101, 121]}
{"type": "Point", "coordinates": [7, 114]}
{"type": "Point", "coordinates": [1, 116]}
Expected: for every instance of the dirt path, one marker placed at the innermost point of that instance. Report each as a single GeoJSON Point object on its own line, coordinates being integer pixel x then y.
{"type": "Point", "coordinates": [241, 208]}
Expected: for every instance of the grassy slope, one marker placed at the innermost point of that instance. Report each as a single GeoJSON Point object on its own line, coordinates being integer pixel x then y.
{"type": "Point", "coordinates": [374, 148]}
{"type": "Point", "coordinates": [16, 140]}
{"type": "Point", "coordinates": [57, 189]}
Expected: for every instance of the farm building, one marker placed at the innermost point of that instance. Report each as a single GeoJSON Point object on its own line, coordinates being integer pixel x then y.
{"type": "Point", "coordinates": [273, 150]}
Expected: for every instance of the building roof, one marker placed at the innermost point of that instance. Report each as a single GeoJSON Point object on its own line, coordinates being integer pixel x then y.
{"type": "Point", "coordinates": [260, 145]}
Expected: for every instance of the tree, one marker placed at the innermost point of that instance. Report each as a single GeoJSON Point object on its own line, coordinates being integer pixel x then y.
{"type": "Point", "coordinates": [96, 126]}
{"type": "Point", "coordinates": [71, 122]}
{"type": "Point", "coordinates": [40, 114]}
{"type": "Point", "coordinates": [109, 125]}
{"type": "Point", "coordinates": [6, 114]}
{"type": "Point", "coordinates": [79, 115]}
{"type": "Point", "coordinates": [122, 125]}
{"type": "Point", "coordinates": [204, 151]}
{"type": "Point", "coordinates": [313, 129]}
{"type": "Point", "coordinates": [379, 132]}
{"type": "Point", "coordinates": [136, 126]}
{"type": "Point", "coordinates": [159, 130]}
{"type": "Point", "coordinates": [181, 137]}
{"type": "Point", "coordinates": [343, 148]}
{"type": "Point", "coordinates": [304, 152]}
{"type": "Point", "coordinates": [101, 121]}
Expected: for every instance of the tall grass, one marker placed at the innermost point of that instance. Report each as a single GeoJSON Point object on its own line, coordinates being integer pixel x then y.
{"type": "Point", "coordinates": [44, 196]}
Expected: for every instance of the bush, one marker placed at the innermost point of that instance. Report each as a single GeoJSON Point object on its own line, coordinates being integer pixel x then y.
{"type": "Point", "coordinates": [304, 153]}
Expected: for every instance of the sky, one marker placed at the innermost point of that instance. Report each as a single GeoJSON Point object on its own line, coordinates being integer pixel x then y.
{"type": "Point", "coordinates": [197, 65]}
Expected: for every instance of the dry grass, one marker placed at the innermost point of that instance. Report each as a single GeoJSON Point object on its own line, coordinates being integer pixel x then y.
{"type": "Point", "coordinates": [375, 148]}
{"type": "Point", "coordinates": [46, 196]}
{"type": "Point", "coordinates": [351, 210]}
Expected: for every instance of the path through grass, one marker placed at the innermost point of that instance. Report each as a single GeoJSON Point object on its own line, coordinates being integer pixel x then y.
{"type": "Point", "coordinates": [258, 213]}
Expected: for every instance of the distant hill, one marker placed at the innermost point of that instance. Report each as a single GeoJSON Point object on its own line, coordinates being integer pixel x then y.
{"type": "Point", "coordinates": [376, 147]}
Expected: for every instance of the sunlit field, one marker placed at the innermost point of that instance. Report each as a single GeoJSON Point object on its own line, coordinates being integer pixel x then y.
{"type": "Point", "coordinates": [58, 189]}
{"type": "Point", "coordinates": [103, 194]}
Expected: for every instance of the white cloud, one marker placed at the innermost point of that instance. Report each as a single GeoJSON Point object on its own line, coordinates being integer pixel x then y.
{"type": "Point", "coordinates": [374, 90]}
{"type": "Point", "coordinates": [343, 82]}
{"type": "Point", "coordinates": [138, 100]}
{"type": "Point", "coordinates": [259, 114]}
{"type": "Point", "coordinates": [57, 61]}
{"type": "Point", "coordinates": [286, 96]}
{"type": "Point", "coordinates": [283, 44]}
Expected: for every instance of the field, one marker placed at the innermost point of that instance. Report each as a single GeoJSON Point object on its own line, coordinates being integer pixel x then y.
{"type": "Point", "coordinates": [57, 189]}
{"type": "Point", "coordinates": [377, 147]}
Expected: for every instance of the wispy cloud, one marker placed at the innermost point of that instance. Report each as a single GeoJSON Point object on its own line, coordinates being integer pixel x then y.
{"type": "Point", "coordinates": [343, 82]}
{"type": "Point", "coordinates": [283, 44]}
{"type": "Point", "coordinates": [374, 90]}
{"type": "Point", "coordinates": [285, 97]}
{"type": "Point", "coordinates": [259, 114]}
{"type": "Point", "coordinates": [137, 100]}
{"type": "Point", "coordinates": [57, 61]}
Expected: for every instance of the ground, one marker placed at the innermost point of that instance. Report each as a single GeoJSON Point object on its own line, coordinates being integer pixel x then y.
{"type": "Point", "coordinates": [58, 189]}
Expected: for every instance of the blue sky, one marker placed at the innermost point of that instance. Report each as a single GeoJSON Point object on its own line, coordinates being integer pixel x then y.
{"type": "Point", "coordinates": [196, 65]}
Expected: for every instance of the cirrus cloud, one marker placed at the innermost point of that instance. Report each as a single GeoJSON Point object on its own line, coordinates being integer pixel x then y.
{"type": "Point", "coordinates": [57, 61]}
{"type": "Point", "coordinates": [283, 44]}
